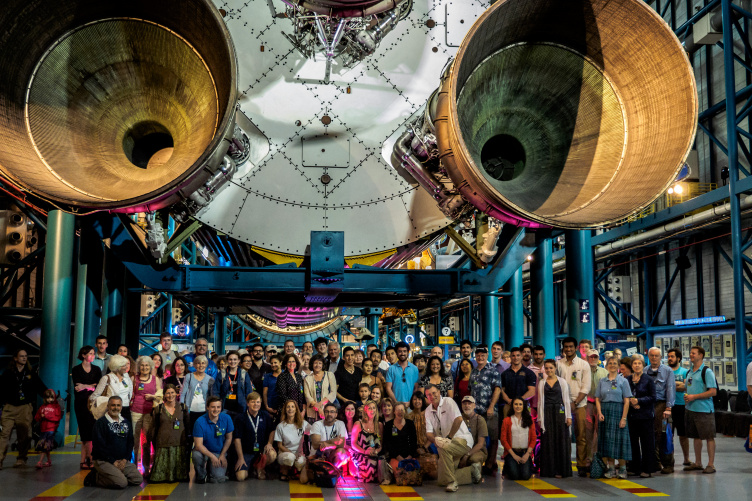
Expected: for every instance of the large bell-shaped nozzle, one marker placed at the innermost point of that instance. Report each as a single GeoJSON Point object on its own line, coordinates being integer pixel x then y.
{"type": "Point", "coordinates": [114, 104]}
{"type": "Point", "coordinates": [569, 113]}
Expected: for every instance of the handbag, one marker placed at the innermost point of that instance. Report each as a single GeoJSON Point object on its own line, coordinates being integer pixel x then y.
{"type": "Point", "coordinates": [325, 474]}
{"type": "Point", "coordinates": [98, 406]}
{"type": "Point", "coordinates": [668, 449]}
{"type": "Point", "coordinates": [597, 467]}
{"type": "Point", "coordinates": [408, 472]}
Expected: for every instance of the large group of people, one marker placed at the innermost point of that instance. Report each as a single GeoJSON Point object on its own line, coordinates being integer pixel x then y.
{"type": "Point", "coordinates": [258, 413]}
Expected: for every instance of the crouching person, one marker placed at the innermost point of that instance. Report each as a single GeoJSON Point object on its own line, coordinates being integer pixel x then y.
{"type": "Point", "coordinates": [328, 438]}
{"type": "Point", "coordinates": [212, 436]}
{"type": "Point", "coordinates": [112, 445]}
{"type": "Point", "coordinates": [254, 440]}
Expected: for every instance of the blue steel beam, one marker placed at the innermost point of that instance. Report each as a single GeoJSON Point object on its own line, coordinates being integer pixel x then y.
{"type": "Point", "coordinates": [489, 319]}
{"type": "Point", "coordinates": [579, 272]}
{"type": "Point", "coordinates": [514, 318]}
{"type": "Point", "coordinates": [541, 291]}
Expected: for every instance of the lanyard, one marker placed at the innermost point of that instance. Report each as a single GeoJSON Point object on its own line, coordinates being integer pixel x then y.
{"type": "Point", "coordinates": [331, 434]}
{"type": "Point", "coordinates": [255, 425]}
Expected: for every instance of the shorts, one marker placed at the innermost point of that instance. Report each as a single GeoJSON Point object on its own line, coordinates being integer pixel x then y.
{"type": "Point", "coordinates": [700, 425]}
{"type": "Point", "coordinates": [677, 416]}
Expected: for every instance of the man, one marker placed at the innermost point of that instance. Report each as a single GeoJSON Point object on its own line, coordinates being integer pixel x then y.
{"type": "Point", "coordinates": [446, 429]}
{"type": "Point", "coordinates": [258, 367]}
{"type": "Point", "coordinates": [497, 348]}
{"type": "Point", "coordinates": [420, 362]}
{"type": "Point", "coordinates": [401, 376]}
{"type": "Point", "coordinates": [370, 348]}
{"type": "Point", "coordinates": [478, 429]}
{"type": "Point", "coordinates": [19, 387]}
{"type": "Point", "coordinates": [320, 344]}
{"type": "Point", "coordinates": [348, 377]}
{"type": "Point", "coordinates": [307, 348]}
{"type": "Point", "coordinates": [576, 372]}
{"type": "Point", "coordinates": [591, 426]}
{"type": "Point", "coordinates": [678, 410]}
{"type": "Point", "coordinates": [269, 352]}
{"type": "Point", "coordinates": [700, 412]}
{"type": "Point", "coordinates": [391, 355]}
{"type": "Point", "coordinates": [466, 350]}
{"type": "Point", "coordinates": [527, 354]}
{"type": "Point", "coordinates": [112, 446]}
{"type": "Point", "coordinates": [333, 360]}
{"type": "Point", "coordinates": [253, 438]}
{"type": "Point", "coordinates": [212, 436]}
{"type": "Point", "coordinates": [584, 347]}
{"type": "Point", "coordinates": [168, 354]}
{"type": "Point", "coordinates": [665, 398]}
{"type": "Point", "coordinates": [437, 351]}
{"type": "Point", "coordinates": [201, 347]}
{"type": "Point", "coordinates": [102, 358]}
{"type": "Point", "coordinates": [485, 387]}
{"type": "Point", "coordinates": [289, 347]}
{"type": "Point", "coordinates": [328, 437]}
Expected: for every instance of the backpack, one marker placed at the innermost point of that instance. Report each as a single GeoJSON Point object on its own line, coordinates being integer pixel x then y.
{"type": "Point", "coordinates": [705, 369]}
{"type": "Point", "coordinates": [325, 474]}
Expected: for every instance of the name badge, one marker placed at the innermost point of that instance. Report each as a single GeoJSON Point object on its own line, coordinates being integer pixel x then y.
{"type": "Point", "coordinates": [197, 391]}
{"type": "Point", "coordinates": [395, 432]}
{"type": "Point", "coordinates": [219, 433]}
{"type": "Point", "coordinates": [232, 397]}
{"type": "Point", "coordinates": [141, 387]}
{"type": "Point", "coordinates": [613, 386]}
{"type": "Point", "coordinates": [574, 375]}
{"type": "Point", "coordinates": [256, 447]}
{"type": "Point", "coordinates": [176, 425]}
{"type": "Point", "coordinates": [561, 409]}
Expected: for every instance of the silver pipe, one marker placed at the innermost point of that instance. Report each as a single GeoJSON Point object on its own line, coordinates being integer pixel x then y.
{"type": "Point", "coordinates": [337, 37]}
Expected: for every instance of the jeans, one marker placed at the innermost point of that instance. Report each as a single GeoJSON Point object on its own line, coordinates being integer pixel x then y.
{"type": "Point", "coordinates": [516, 471]}
{"type": "Point", "coordinates": [204, 466]}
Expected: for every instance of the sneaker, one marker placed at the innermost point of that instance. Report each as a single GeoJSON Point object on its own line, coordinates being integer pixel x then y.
{"type": "Point", "coordinates": [452, 487]}
{"type": "Point", "coordinates": [475, 473]}
{"type": "Point", "coordinates": [610, 473]}
{"type": "Point", "coordinates": [20, 463]}
{"type": "Point", "coordinates": [667, 470]}
{"type": "Point", "coordinates": [90, 479]}
{"type": "Point", "coordinates": [200, 480]}
{"type": "Point", "coordinates": [623, 473]}
{"type": "Point", "coordinates": [582, 472]}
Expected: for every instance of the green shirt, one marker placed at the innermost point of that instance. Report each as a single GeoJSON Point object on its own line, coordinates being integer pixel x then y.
{"type": "Point", "coordinates": [595, 378]}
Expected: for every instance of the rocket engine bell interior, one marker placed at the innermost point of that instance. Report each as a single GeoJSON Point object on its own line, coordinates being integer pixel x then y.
{"type": "Point", "coordinates": [117, 105]}
{"type": "Point", "coordinates": [556, 114]}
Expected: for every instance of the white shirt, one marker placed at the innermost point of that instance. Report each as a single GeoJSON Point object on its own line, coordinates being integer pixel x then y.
{"type": "Point", "coordinates": [440, 421]}
{"type": "Point", "coordinates": [577, 375]}
{"type": "Point", "coordinates": [749, 375]}
{"type": "Point", "coordinates": [290, 435]}
{"type": "Point", "coordinates": [519, 434]}
{"type": "Point", "coordinates": [123, 389]}
{"type": "Point", "coordinates": [337, 430]}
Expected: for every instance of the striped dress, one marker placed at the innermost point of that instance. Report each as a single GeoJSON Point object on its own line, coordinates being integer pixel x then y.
{"type": "Point", "coordinates": [368, 466]}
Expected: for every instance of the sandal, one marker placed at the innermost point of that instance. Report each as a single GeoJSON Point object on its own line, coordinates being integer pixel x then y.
{"type": "Point", "coordinates": [40, 465]}
{"type": "Point", "coordinates": [709, 469]}
{"type": "Point", "coordinates": [693, 467]}
{"type": "Point", "coordinates": [283, 478]}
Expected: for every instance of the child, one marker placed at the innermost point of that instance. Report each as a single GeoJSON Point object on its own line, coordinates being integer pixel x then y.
{"type": "Point", "coordinates": [364, 391]}
{"type": "Point", "coordinates": [48, 415]}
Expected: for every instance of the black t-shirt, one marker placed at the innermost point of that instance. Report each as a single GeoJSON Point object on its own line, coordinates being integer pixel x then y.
{"type": "Point", "coordinates": [347, 384]}
{"type": "Point", "coordinates": [257, 375]}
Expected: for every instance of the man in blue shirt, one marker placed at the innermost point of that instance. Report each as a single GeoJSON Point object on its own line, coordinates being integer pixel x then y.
{"type": "Point", "coordinates": [700, 412]}
{"type": "Point", "coordinates": [102, 358]}
{"type": "Point", "coordinates": [466, 350]}
{"type": "Point", "coordinates": [665, 397]}
{"type": "Point", "coordinates": [212, 436]}
{"type": "Point", "coordinates": [201, 348]}
{"type": "Point", "coordinates": [677, 412]}
{"type": "Point", "coordinates": [401, 376]}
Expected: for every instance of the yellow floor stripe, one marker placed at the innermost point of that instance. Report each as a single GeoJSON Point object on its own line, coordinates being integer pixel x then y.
{"type": "Point", "coordinates": [304, 491]}
{"type": "Point", "coordinates": [70, 439]}
{"type": "Point", "coordinates": [401, 493]}
{"type": "Point", "coordinates": [155, 492]}
{"type": "Point", "coordinates": [634, 488]}
{"type": "Point", "coordinates": [544, 488]}
{"type": "Point", "coordinates": [66, 487]}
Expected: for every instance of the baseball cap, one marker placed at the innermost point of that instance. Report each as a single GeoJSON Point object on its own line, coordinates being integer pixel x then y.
{"type": "Point", "coordinates": [469, 398]}
{"type": "Point", "coordinates": [593, 353]}
{"type": "Point", "coordinates": [271, 347]}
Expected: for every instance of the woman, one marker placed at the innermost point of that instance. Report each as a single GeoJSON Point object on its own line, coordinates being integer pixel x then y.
{"type": "Point", "coordinates": [170, 425]}
{"type": "Point", "coordinates": [347, 415]}
{"type": "Point", "coordinates": [221, 364]}
{"type": "Point", "coordinates": [417, 415]}
{"type": "Point", "coordinates": [85, 378]}
{"type": "Point", "coordinates": [289, 440]}
{"type": "Point", "coordinates": [177, 377]}
{"type": "Point", "coordinates": [507, 356]}
{"type": "Point", "coordinates": [625, 367]}
{"type": "Point", "coordinates": [640, 420]}
{"type": "Point", "coordinates": [366, 444]}
{"type": "Point", "coordinates": [435, 375]}
{"type": "Point", "coordinates": [462, 384]}
{"type": "Point", "coordinates": [197, 388]}
{"type": "Point", "coordinates": [555, 418]}
{"type": "Point", "coordinates": [290, 384]}
{"type": "Point", "coordinates": [117, 383]}
{"type": "Point", "coordinates": [387, 410]}
{"type": "Point", "coordinates": [373, 380]}
{"type": "Point", "coordinates": [612, 405]}
{"type": "Point", "coordinates": [123, 351]}
{"type": "Point", "coordinates": [147, 390]}
{"type": "Point", "coordinates": [400, 439]}
{"type": "Point", "coordinates": [157, 371]}
{"type": "Point", "coordinates": [319, 388]}
{"type": "Point", "coordinates": [359, 357]}
{"type": "Point", "coordinates": [305, 365]}
{"type": "Point", "coordinates": [518, 438]}
{"type": "Point", "coordinates": [376, 394]}
{"type": "Point", "coordinates": [232, 385]}
{"type": "Point", "coordinates": [270, 387]}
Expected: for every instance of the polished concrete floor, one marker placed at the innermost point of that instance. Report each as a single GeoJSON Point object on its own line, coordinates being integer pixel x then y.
{"type": "Point", "coordinates": [733, 481]}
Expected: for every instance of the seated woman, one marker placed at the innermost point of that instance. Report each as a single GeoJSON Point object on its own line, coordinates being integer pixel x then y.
{"type": "Point", "coordinates": [347, 414]}
{"type": "Point", "coordinates": [253, 440]}
{"type": "Point", "coordinates": [366, 444]}
{"type": "Point", "coordinates": [400, 439]}
{"type": "Point", "coordinates": [518, 438]}
{"type": "Point", "coordinates": [387, 410]}
{"type": "Point", "coordinates": [289, 439]}
{"type": "Point", "coordinates": [417, 415]}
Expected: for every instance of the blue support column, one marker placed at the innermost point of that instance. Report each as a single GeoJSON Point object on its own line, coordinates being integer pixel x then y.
{"type": "Point", "coordinates": [736, 217]}
{"type": "Point", "coordinates": [372, 324]}
{"type": "Point", "coordinates": [220, 332]}
{"type": "Point", "coordinates": [57, 293]}
{"type": "Point", "coordinates": [490, 319]}
{"type": "Point", "coordinates": [579, 252]}
{"type": "Point", "coordinates": [514, 319]}
{"type": "Point", "coordinates": [542, 294]}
